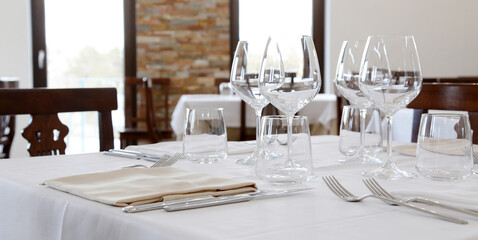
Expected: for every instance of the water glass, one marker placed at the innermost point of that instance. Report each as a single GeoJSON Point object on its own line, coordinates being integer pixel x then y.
{"type": "Point", "coordinates": [273, 164]}
{"type": "Point", "coordinates": [205, 137]}
{"type": "Point", "coordinates": [444, 150]}
{"type": "Point", "coordinates": [349, 136]}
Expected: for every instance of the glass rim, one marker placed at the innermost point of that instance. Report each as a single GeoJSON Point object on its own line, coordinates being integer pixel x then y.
{"type": "Point", "coordinates": [205, 108]}
{"type": "Point", "coordinates": [445, 115]}
{"type": "Point", "coordinates": [283, 117]}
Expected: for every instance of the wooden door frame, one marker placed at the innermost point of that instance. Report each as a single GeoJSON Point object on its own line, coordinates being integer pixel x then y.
{"type": "Point", "coordinates": [38, 42]}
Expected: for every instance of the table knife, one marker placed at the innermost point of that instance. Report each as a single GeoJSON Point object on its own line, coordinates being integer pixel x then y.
{"type": "Point", "coordinates": [133, 155]}
{"type": "Point", "coordinates": [209, 198]}
{"type": "Point", "coordinates": [230, 199]}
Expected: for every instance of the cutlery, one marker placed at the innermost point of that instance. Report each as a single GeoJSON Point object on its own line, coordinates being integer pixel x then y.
{"type": "Point", "coordinates": [196, 202]}
{"type": "Point", "coordinates": [164, 161]}
{"type": "Point", "coordinates": [231, 199]}
{"type": "Point", "coordinates": [340, 191]}
{"type": "Point", "coordinates": [167, 161]}
{"type": "Point", "coordinates": [133, 154]}
{"type": "Point", "coordinates": [377, 189]}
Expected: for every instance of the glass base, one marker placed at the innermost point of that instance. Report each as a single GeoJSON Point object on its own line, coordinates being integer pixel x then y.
{"type": "Point", "coordinates": [389, 172]}
{"type": "Point", "coordinates": [285, 175]}
{"type": "Point", "coordinates": [250, 160]}
{"type": "Point", "coordinates": [361, 158]}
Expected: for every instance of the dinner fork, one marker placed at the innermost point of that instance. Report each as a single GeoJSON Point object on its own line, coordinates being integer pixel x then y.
{"type": "Point", "coordinates": [164, 161]}
{"type": "Point", "coordinates": [334, 185]}
{"type": "Point", "coordinates": [169, 161]}
{"type": "Point", "coordinates": [377, 189]}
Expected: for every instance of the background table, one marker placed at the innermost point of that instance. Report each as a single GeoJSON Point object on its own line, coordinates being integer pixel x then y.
{"type": "Point", "coordinates": [32, 211]}
{"type": "Point", "coordinates": [322, 110]}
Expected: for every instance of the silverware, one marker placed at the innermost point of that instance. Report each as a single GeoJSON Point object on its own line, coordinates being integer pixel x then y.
{"type": "Point", "coordinates": [164, 161]}
{"type": "Point", "coordinates": [231, 199]}
{"type": "Point", "coordinates": [133, 154]}
{"type": "Point", "coordinates": [339, 190]}
{"type": "Point", "coordinates": [195, 202]}
{"type": "Point", "coordinates": [169, 161]}
{"type": "Point", "coordinates": [377, 189]}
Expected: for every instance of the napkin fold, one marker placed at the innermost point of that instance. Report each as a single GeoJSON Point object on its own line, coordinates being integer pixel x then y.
{"type": "Point", "coordinates": [172, 147]}
{"type": "Point", "coordinates": [136, 186]}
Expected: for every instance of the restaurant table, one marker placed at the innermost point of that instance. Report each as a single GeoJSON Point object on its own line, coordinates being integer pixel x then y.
{"type": "Point", "coordinates": [33, 211]}
{"type": "Point", "coordinates": [321, 111]}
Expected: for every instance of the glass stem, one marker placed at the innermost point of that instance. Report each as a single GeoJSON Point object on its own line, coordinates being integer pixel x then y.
{"type": "Point", "coordinates": [289, 161]}
{"type": "Point", "coordinates": [363, 116]}
{"type": "Point", "coordinates": [258, 128]}
{"type": "Point", "coordinates": [389, 141]}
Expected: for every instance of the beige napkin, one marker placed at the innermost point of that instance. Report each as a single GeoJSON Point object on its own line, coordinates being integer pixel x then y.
{"type": "Point", "coordinates": [135, 186]}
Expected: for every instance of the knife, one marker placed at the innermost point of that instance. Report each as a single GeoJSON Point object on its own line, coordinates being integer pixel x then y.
{"type": "Point", "coordinates": [133, 154]}
{"type": "Point", "coordinates": [207, 199]}
{"type": "Point", "coordinates": [230, 199]}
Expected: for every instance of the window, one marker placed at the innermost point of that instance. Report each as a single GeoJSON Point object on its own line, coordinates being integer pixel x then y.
{"type": "Point", "coordinates": [84, 48]}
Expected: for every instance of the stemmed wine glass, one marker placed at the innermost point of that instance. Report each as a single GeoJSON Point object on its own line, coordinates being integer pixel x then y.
{"type": "Point", "coordinates": [391, 77]}
{"type": "Point", "coordinates": [290, 79]}
{"type": "Point", "coordinates": [245, 83]}
{"type": "Point", "coordinates": [347, 82]}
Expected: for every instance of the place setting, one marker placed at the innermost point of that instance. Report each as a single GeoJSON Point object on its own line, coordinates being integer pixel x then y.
{"type": "Point", "coordinates": [282, 160]}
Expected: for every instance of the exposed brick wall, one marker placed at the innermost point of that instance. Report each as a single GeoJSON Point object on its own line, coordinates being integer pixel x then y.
{"type": "Point", "coordinates": [185, 40]}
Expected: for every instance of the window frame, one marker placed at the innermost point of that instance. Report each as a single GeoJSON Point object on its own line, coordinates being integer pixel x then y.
{"type": "Point", "coordinates": [318, 31]}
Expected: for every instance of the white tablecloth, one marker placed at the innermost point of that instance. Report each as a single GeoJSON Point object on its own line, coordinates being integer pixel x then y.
{"type": "Point", "coordinates": [33, 211]}
{"type": "Point", "coordinates": [321, 110]}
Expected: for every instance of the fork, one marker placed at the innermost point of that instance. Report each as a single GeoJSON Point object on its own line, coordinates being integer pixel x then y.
{"type": "Point", "coordinates": [377, 189]}
{"type": "Point", "coordinates": [169, 161]}
{"type": "Point", "coordinates": [164, 161]}
{"type": "Point", "coordinates": [339, 190]}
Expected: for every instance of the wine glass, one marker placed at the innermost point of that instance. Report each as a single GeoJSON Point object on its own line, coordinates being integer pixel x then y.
{"type": "Point", "coordinates": [245, 83]}
{"type": "Point", "coordinates": [391, 77]}
{"type": "Point", "coordinates": [347, 82]}
{"type": "Point", "coordinates": [290, 79]}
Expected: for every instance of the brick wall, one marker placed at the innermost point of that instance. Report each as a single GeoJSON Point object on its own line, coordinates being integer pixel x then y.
{"type": "Point", "coordinates": [185, 40]}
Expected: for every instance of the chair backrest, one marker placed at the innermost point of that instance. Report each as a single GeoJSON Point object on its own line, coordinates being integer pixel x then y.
{"type": "Point", "coordinates": [218, 81]}
{"type": "Point", "coordinates": [160, 95]}
{"type": "Point", "coordinates": [46, 132]}
{"type": "Point", "coordinates": [451, 80]}
{"type": "Point", "coordinates": [144, 98]}
{"type": "Point", "coordinates": [7, 122]}
{"type": "Point", "coordinates": [446, 96]}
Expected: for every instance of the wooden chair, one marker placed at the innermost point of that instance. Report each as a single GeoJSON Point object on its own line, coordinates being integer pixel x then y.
{"type": "Point", "coordinates": [140, 110]}
{"type": "Point", "coordinates": [451, 80]}
{"type": "Point", "coordinates": [7, 122]}
{"type": "Point", "coordinates": [446, 96]}
{"type": "Point", "coordinates": [46, 132]}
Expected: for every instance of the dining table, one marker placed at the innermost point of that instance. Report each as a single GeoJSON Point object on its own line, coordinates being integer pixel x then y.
{"type": "Point", "coordinates": [32, 210]}
{"type": "Point", "coordinates": [321, 111]}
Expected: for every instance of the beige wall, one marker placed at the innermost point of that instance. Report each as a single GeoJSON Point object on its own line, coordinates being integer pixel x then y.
{"type": "Point", "coordinates": [445, 31]}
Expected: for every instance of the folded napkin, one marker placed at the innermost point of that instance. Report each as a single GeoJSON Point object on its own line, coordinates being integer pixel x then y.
{"type": "Point", "coordinates": [135, 186]}
{"type": "Point", "coordinates": [176, 146]}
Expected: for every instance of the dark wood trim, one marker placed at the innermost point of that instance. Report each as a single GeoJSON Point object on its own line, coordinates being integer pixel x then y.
{"type": "Point", "coordinates": [130, 65]}
{"type": "Point", "coordinates": [233, 28]}
{"type": "Point", "coordinates": [318, 33]}
{"type": "Point", "coordinates": [38, 42]}
{"type": "Point", "coordinates": [130, 69]}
